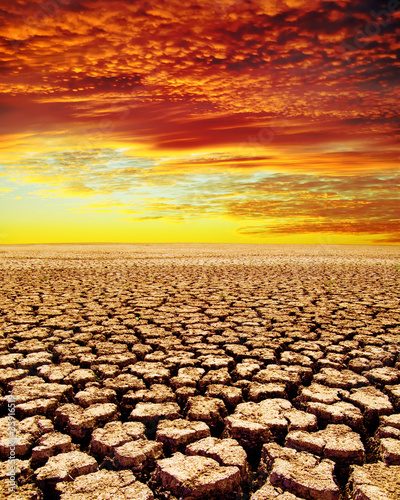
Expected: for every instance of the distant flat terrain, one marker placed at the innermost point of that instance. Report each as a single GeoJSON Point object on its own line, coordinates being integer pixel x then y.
{"type": "Point", "coordinates": [185, 371]}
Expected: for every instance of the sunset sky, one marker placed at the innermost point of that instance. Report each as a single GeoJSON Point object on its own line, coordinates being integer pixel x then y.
{"type": "Point", "coordinates": [249, 121]}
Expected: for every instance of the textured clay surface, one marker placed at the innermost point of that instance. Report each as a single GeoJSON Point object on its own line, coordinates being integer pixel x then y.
{"type": "Point", "coordinates": [182, 372]}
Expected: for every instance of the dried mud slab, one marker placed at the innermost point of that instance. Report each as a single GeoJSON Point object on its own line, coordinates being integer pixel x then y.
{"type": "Point", "coordinates": [8, 375]}
{"type": "Point", "coordinates": [269, 492]}
{"type": "Point", "coordinates": [300, 473]}
{"type": "Point", "coordinates": [319, 393]}
{"type": "Point", "coordinates": [342, 379]}
{"type": "Point", "coordinates": [158, 393]}
{"type": "Point", "coordinates": [10, 360]}
{"type": "Point", "coordinates": [231, 396]}
{"type": "Point", "coordinates": [150, 413]}
{"type": "Point", "coordinates": [63, 467]}
{"type": "Point", "coordinates": [24, 492]}
{"type": "Point", "coordinates": [246, 370]}
{"type": "Point", "coordinates": [56, 373]}
{"type": "Point", "coordinates": [336, 442]}
{"type": "Point", "coordinates": [187, 377]}
{"type": "Point", "coordinates": [224, 451]}
{"type": "Point", "coordinates": [138, 455]}
{"type": "Point", "coordinates": [389, 450]}
{"type": "Point", "coordinates": [372, 402]}
{"type": "Point", "coordinates": [114, 434]}
{"type": "Point", "coordinates": [80, 422]}
{"type": "Point", "coordinates": [257, 392]}
{"type": "Point", "coordinates": [28, 432]}
{"type": "Point", "coordinates": [151, 372]}
{"type": "Point", "coordinates": [32, 388]}
{"type": "Point", "coordinates": [197, 477]}
{"type": "Point", "coordinates": [375, 481]}
{"type": "Point", "coordinates": [39, 406]}
{"type": "Point", "coordinates": [384, 375]}
{"type": "Point", "coordinates": [209, 410]}
{"type": "Point", "coordinates": [390, 426]}
{"type": "Point", "coordinates": [253, 424]}
{"type": "Point", "coordinates": [93, 395]}
{"type": "Point", "coordinates": [22, 468]}
{"type": "Point", "coordinates": [48, 445]}
{"type": "Point", "coordinates": [393, 391]}
{"type": "Point", "coordinates": [337, 413]}
{"type": "Point", "coordinates": [280, 375]}
{"type": "Point", "coordinates": [118, 485]}
{"type": "Point", "coordinates": [124, 383]}
{"type": "Point", "coordinates": [79, 378]}
{"type": "Point", "coordinates": [175, 435]}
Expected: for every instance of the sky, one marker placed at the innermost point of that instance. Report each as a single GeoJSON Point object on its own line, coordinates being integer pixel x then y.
{"type": "Point", "coordinates": [247, 121]}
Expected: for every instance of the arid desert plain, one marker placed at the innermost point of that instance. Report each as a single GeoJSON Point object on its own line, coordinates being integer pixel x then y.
{"type": "Point", "coordinates": [195, 371]}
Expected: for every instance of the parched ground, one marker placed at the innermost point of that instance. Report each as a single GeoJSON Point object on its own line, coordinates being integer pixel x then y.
{"type": "Point", "coordinates": [180, 372]}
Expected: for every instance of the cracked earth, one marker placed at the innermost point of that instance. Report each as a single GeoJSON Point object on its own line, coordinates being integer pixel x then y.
{"type": "Point", "coordinates": [180, 372]}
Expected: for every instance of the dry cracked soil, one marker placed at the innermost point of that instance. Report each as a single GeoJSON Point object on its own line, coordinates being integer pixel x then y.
{"type": "Point", "coordinates": [180, 372]}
